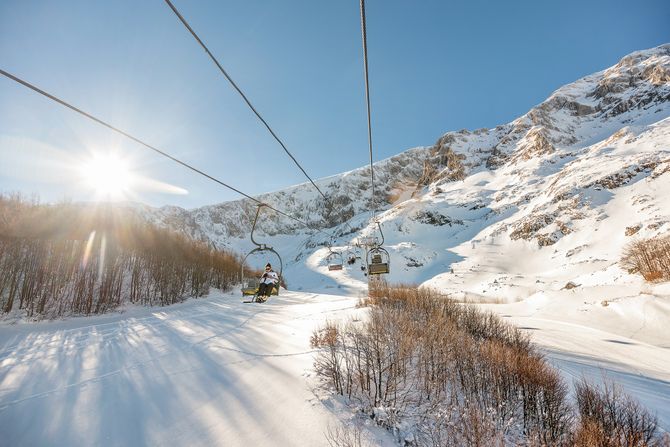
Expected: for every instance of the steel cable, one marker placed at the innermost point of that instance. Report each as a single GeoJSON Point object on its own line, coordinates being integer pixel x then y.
{"type": "Point", "coordinates": [253, 109]}
{"type": "Point", "coordinates": [367, 100]}
{"type": "Point", "coordinates": [148, 146]}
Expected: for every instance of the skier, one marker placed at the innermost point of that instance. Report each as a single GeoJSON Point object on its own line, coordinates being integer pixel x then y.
{"type": "Point", "coordinates": [268, 281]}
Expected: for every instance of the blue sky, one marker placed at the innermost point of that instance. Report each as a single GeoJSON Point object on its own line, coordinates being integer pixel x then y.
{"type": "Point", "coordinates": [435, 66]}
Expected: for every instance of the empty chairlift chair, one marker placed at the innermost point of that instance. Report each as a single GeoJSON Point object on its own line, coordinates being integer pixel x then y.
{"type": "Point", "coordinates": [378, 261]}
{"type": "Point", "coordinates": [335, 261]}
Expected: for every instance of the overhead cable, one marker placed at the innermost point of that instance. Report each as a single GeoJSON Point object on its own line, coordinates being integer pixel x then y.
{"type": "Point", "coordinates": [253, 109]}
{"type": "Point", "coordinates": [367, 100]}
{"type": "Point", "coordinates": [148, 146]}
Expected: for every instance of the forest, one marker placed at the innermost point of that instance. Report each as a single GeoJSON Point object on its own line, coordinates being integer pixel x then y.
{"type": "Point", "coordinates": [74, 259]}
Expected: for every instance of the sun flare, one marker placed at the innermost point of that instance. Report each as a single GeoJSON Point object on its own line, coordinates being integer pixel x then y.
{"type": "Point", "coordinates": [108, 175]}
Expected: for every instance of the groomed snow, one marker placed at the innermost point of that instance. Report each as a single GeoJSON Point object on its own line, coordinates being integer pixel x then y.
{"type": "Point", "coordinates": [206, 372]}
{"type": "Point", "coordinates": [215, 371]}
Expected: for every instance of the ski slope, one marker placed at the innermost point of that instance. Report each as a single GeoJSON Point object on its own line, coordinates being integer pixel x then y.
{"type": "Point", "coordinates": [205, 372]}
{"type": "Point", "coordinates": [587, 345]}
{"type": "Point", "coordinates": [215, 371]}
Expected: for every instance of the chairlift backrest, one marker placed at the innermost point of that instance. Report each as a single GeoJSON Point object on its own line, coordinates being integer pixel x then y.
{"type": "Point", "coordinates": [378, 261]}
{"type": "Point", "coordinates": [335, 260]}
{"type": "Point", "coordinates": [378, 269]}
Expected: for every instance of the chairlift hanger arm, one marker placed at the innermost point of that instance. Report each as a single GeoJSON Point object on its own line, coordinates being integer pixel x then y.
{"type": "Point", "coordinates": [253, 228]}
{"type": "Point", "coordinates": [380, 232]}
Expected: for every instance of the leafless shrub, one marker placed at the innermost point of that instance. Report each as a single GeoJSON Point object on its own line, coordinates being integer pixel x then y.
{"type": "Point", "coordinates": [329, 363]}
{"type": "Point", "coordinates": [610, 418]}
{"type": "Point", "coordinates": [546, 413]}
{"type": "Point", "coordinates": [464, 375]}
{"type": "Point", "coordinates": [648, 257]}
{"type": "Point", "coordinates": [341, 436]}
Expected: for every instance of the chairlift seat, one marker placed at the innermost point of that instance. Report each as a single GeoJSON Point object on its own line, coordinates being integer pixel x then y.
{"type": "Point", "coordinates": [378, 261]}
{"type": "Point", "coordinates": [378, 268]}
{"type": "Point", "coordinates": [251, 288]}
{"type": "Point", "coordinates": [335, 260]}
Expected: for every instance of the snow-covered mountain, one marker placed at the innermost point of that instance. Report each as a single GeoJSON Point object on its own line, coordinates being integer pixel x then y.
{"type": "Point", "coordinates": [560, 189]}
{"type": "Point", "coordinates": [528, 220]}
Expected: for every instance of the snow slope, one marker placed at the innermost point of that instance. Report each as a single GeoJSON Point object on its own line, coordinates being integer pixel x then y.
{"type": "Point", "coordinates": [202, 373]}
{"type": "Point", "coordinates": [626, 342]}
{"type": "Point", "coordinates": [215, 371]}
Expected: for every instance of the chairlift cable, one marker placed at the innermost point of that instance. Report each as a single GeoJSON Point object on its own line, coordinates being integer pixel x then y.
{"type": "Point", "coordinates": [375, 263]}
{"type": "Point", "coordinates": [253, 109]}
{"type": "Point", "coordinates": [367, 100]}
{"type": "Point", "coordinates": [153, 148]}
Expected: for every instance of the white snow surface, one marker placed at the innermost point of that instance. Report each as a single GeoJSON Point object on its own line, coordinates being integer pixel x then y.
{"type": "Point", "coordinates": [206, 372]}
{"type": "Point", "coordinates": [550, 198]}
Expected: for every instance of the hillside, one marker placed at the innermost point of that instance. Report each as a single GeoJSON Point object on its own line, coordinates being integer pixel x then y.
{"type": "Point", "coordinates": [590, 157]}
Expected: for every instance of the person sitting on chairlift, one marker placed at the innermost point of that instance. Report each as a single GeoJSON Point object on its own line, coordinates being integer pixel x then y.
{"type": "Point", "coordinates": [268, 281]}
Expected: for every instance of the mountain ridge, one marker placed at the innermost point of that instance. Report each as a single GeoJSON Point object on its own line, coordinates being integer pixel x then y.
{"type": "Point", "coordinates": [536, 180]}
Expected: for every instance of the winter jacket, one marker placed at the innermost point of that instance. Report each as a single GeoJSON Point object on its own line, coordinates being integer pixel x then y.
{"type": "Point", "coordinates": [269, 277]}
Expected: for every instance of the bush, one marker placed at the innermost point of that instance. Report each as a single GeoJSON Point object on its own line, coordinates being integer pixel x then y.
{"type": "Point", "coordinates": [609, 418]}
{"type": "Point", "coordinates": [458, 376]}
{"type": "Point", "coordinates": [648, 257]}
{"type": "Point", "coordinates": [464, 376]}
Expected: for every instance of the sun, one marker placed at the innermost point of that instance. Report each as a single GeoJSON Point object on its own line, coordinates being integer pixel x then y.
{"type": "Point", "coordinates": [107, 174]}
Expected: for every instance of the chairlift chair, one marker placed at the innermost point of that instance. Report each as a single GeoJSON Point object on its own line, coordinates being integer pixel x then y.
{"type": "Point", "coordinates": [352, 257]}
{"type": "Point", "coordinates": [250, 284]}
{"type": "Point", "coordinates": [378, 259]}
{"type": "Point", "coordinates": [334, 260]}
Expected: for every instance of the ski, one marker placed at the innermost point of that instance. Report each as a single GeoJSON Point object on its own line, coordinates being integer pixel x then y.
{"type": "Point", "coordinates": [255, 300]}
